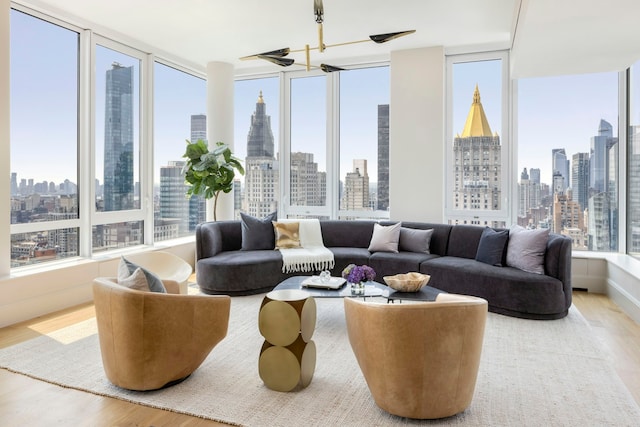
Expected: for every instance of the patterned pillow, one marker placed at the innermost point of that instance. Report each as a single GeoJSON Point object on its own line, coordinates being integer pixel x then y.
{"type": "Point", "coordinates": [135, 277]}
{"type": "Point", "coordinates": [287, 234]}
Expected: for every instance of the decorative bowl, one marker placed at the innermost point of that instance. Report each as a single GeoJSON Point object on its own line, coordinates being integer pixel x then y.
{"type": "Point", "coordinates": [409, 282]}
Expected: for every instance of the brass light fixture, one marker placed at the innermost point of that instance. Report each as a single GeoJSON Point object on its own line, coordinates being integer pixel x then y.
{"type": "Point", "coordinates": [278, 56]}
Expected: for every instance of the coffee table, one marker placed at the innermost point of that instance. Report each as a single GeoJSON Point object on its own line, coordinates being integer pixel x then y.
{"type": "Point", "coordinates": [371, 289]}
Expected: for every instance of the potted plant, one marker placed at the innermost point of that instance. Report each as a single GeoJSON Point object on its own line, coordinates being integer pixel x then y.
{"type": "Point", "coordinates": [210, 172]}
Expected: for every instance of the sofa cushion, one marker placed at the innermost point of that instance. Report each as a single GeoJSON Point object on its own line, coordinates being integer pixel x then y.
{"type": "Point", "coordinates": [287, 234]}
{"type": "Point", "coordinates": [133, 276]}
{"type": "Point", "coordinates": [258, 233]}
{"type": "Point", "coordinates": [526, 249]}
{"type": "Point", "coordinates": [508, 290]}
{"type": "Point", "coordinates": [385, 238]}
{"type": "Point", "coordinates": [412, 240]}
{"type": "Point", "coordinates": [346, 234]}
{"type": "Point", "coordinates": [345, 256]}
{"type": "Point", "coordinates": [464, 240]}
{"type": "Point", "coordinates": [492, 246]}
{"type": "Point", "coordinates": [389, 263]}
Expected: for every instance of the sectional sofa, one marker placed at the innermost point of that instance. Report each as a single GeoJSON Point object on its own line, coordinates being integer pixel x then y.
{"type": "Point", "coordinates": [223, 268]}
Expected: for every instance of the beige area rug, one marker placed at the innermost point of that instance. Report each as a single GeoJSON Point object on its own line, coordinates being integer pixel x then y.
{"type": "Point", "coordinates": [532, 373]}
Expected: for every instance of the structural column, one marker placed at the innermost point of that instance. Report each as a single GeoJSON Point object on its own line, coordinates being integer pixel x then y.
{"type": "Point", "coordinates": [220, 93]}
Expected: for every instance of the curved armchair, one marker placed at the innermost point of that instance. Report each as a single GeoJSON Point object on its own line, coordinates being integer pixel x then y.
{"type": "Point", "coordinates": [419, 360]}
{"type": "Point", "coordinates": [150, 340]}
{"type": "Point", "coordinates": [165, 265]}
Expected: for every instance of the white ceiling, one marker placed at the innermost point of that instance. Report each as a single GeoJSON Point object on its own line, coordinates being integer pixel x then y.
{"type": "Point", "coordinates": [551, 36]}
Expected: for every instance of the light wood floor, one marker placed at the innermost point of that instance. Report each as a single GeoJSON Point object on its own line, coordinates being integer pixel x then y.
{"type": "Point", "coordinates": [25, 401]}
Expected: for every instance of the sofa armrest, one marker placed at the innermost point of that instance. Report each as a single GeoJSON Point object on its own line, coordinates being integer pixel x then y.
{"type": "Point", "coordinates": [557, 262]}
{"type": "Point", "coordinates": [217, 236]}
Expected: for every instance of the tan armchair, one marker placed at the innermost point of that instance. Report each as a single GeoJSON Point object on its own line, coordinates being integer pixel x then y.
{"type": "Point", "coordinates": [420, 360]}
{"type": "Point", "coordinates": [150, 340]}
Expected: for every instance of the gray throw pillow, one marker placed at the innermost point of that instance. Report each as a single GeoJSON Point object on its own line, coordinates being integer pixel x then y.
{"type": "Point", "coordinates": [415, 240]}
{"type": "Point", "coordinates": [258, 234]}
{"type": "Point", "coordinates": [133, 279]}
{"type": "Point", "coordinates": [526, 249]}
{"type": "Point", "coordinates": [385, 238]}
{"type": "Point", "coordinates": [492, 246]}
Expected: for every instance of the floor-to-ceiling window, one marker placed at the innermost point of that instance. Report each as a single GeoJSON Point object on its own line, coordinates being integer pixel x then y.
{"type": "Point", "coordinates": [306, 186]}
{"type": "Point", "coordinates": [119, 221]}
{"type": "Point", "coordinates": [478, 143]}
{"type": "Point", "coordinates": [633, 161]}
{"type": "Point", "coordinates": [179, 111]}
{"type": "Point", "coordinates": [364, 143]}
{"type": "Point", "coordinates": [44, 140]}
{"type": "Point", "coordinates": [257, 137]}
{"type": "Point", "coordinates": [568, 169]}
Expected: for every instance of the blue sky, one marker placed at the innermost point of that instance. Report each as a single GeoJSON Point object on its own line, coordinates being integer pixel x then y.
{"type": "Point", "coordinates": [553, 112]}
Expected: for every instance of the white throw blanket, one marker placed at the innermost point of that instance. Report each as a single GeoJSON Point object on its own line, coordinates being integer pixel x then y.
{"type": "Point", "coordinates": [312, 256]}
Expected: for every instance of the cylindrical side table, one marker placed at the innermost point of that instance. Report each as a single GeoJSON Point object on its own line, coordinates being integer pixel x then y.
{"type": "Point", "coordinates": [287, 321]}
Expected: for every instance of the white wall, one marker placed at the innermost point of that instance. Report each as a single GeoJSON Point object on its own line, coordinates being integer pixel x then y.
{"type": "Point", "coordinates": [416, 135]}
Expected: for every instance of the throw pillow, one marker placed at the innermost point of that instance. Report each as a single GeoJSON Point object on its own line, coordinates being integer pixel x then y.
{"type": "Point", "coordinates": [133, 276]}
{"type": "Point", "coordinates": [257, 233]}
{"type": "Point", "coordinates": [287, 234]}
{"type": "Point", "coordinates": [492, 246]}
{"type": "Point", "coordinates": [415, 240]}
{"type": "Point", "coordinates": [385, 238]}
{"type": "Point", "coordinates": [526, 249]}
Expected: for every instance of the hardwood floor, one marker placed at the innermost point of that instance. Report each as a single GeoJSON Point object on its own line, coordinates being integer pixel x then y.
{"type": "Point", "coordinates": [25, 401]}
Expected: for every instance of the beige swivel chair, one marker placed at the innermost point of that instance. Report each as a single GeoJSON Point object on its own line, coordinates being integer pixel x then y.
{"type": "Point", "coordinates": [165, 265]}
{"type": "Point", "coordinates": [420, 360]}
{"type": "Point", "coordinates": [150, 340]}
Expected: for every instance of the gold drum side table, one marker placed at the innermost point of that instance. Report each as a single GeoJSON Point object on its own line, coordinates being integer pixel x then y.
{"type": "Point", "coordinates": [287, 321]}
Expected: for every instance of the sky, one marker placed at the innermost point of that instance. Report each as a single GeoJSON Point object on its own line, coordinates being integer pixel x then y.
{"type": "Point", "coordinates": [553, 112]}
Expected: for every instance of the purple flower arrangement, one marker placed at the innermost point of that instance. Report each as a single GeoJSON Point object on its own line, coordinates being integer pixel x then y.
{"type": "Point", "coordinates": [358, 273]}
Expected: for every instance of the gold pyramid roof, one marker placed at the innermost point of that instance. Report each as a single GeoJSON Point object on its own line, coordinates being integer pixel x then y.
{"type": "Point", "coordinates": [476, 124]}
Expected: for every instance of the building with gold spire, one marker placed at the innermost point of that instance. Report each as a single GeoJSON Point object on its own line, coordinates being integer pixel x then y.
{"type": "Point", "coordinates": [477, 164]}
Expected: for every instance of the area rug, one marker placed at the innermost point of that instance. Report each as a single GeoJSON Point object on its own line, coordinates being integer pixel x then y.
{"type": "Point", "coordinates": [532, 373]}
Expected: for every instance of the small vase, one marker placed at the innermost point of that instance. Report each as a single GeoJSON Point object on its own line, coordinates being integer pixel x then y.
{"type": "Point", "coordinates": [357, 288]}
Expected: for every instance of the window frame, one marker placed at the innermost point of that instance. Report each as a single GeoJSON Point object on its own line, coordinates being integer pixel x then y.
{"type": "Point", "coordinates": [508, 142]}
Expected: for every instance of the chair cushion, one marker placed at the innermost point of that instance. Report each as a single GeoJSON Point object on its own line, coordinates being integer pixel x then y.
{"type": "Point", "coordinates": [257, 233]}
{"type": "Point", "coordinates": [133, 276]}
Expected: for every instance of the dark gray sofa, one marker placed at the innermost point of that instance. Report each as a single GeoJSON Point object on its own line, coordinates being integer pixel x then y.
{"type": "Point", "coordinates": [222, 268]}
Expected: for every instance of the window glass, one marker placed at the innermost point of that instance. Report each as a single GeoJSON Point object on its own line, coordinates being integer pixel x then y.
{"type": "Point", "coordinates": [117, 236]}
{"type": "Point", "coordinates": [256, 144]}
{"type": "Point", "coordinates": [308, 176]}
{"type": "Point", "coordinates": [364, 143]}
{"type": "Point", "coordinates": [179, 115]}
{"type": "Point", "coordinates": [476, 172]}
{"type": "Point", "coordinates": [568, 157]}
{"type": "Point", "coordinates": [117, 94]}
{"type": "Point", "coordinates": [44, 138]}
{"type": "Point", "coordinates": [633, 171]}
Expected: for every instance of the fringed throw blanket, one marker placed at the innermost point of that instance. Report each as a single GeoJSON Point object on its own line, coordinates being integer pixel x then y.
{"type": "Point", "coordinates": [312, 256]}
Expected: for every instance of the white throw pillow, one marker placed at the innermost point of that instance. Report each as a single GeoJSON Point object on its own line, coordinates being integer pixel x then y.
{"type": "Point", "coordinates": [526, 248]}
{"type": "Point", "coordinates": [385, 238]}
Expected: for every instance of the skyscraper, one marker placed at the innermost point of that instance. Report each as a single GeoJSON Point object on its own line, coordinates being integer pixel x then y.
{"type": "Point", "coordinates": [598, 158]}
{"type": "Point", "coordinates": [173, 202]}
{"type": "Point", "coordinates": [118, 139]}
{"type": "Point", "coordinates": [559, 164]}
{"type": "Point", "coordinates": [477, 159]}
{"type": "Point", "coordinates": [197, 204]}
{"type": "Point", "coordinates": [198, 127]}
{"type": "Point", "coordinates": [261, 169]}
{"type": "Point", "coordinates": [383, 157]}
{"type": "Point", "coordinates": [580, 179]}
{"type": "Point", "coordinates": [260, 138]}
{"type": "Point", "coordinates": [356, 189]}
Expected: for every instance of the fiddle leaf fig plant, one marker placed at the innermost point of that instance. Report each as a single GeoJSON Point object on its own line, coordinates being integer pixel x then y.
{"type": "Point", "coordinates": [209, 173]}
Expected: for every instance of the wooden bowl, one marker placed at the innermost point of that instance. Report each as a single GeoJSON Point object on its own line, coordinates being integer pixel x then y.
{"type": "Point", "coordinates": [409, 282]}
